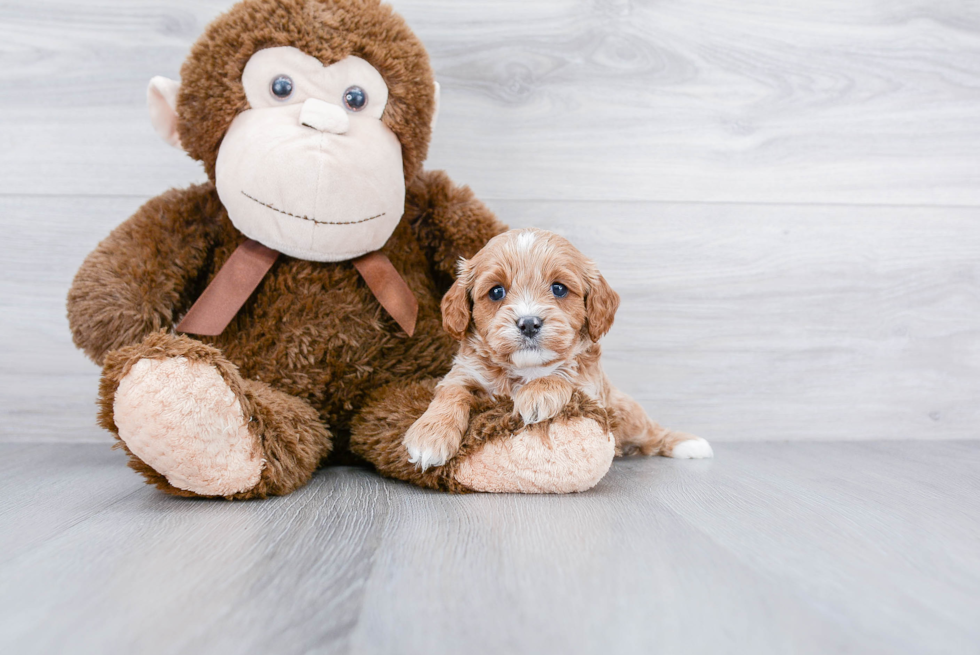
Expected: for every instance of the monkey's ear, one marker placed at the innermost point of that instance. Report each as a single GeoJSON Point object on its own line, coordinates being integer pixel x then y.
{"type": "Point", "coordinates": [456, 305]}
{"type": "Point", "coordinates": [601, 303]}
{"type": "Point", "coordinates": [161, 98]}
{"type": "Point", "coordinates": [435, 111]}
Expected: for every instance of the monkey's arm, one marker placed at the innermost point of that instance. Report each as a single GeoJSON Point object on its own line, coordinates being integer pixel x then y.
{"type": "Point", "coordinates": [449, 221]}
{"type": "Point", "coordinates": [135, 281]}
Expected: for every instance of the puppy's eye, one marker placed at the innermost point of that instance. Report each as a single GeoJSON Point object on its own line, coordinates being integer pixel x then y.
{"type": "Point", "coordinates": [497, 293]}
{"type": "Point", "coordinates": [282, 87]}
{"type": "Point", "coordinates": [559, 289]}
{"type": "Point", "coordinates": [355, 98]}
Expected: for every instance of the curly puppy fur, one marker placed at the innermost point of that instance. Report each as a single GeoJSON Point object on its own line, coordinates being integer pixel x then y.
{"type": "Point", "coordinates": [529, 310]}
{"type": "Point", "coordinates": [312, 342]}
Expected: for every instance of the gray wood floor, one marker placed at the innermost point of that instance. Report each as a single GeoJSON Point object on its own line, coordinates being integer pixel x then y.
{"type": "Point", "coordinates": [771, 548]}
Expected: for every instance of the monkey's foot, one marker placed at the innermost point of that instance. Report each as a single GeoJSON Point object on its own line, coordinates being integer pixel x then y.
{"type": "Point", "coordinates": [181, 418]}
{"type": "Point", "coordinates": [568, 456]}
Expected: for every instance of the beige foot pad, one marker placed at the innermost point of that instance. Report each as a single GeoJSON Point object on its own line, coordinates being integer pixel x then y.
{"type": "Point", "coordinates": [573, 456]}
{"type": "Point", "coordinates": [182, 419]}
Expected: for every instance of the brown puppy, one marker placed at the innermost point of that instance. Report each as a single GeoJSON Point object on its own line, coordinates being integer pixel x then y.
{"type": "Point", "coordinates": [529, 310]}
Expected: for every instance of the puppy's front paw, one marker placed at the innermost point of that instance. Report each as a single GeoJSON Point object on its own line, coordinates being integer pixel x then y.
{"type": "Point", "coordinates": [431, 441]}
{"type": "Point", "coordinates": [541, 400]}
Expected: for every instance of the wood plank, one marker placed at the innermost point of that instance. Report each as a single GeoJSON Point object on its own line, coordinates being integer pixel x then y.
{"type": "Point", "coordinates": [804, 548]}
{"type": "Point", "coordinates": [739, 322]}
{"type": "Point", "coordinates": [757, 101]}
{"type": "Point", "coordinates": [79, 481]}
{"type": "Point", "coordinates": [745, 322]}
{"type": "Point", "coordinates": [613, 570]}
{"type": "Point", "coordinates": [155, 574]}
{"type": "Point", "coordinates": [760, 546]}
{"type": "Point", "coordinates": [901, 564]}
{"type": "Point", "coordinates": [48, 387]}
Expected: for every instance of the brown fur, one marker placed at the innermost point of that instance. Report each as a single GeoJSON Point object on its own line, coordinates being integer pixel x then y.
{"type": "Point", "coordinates": [526, 263]}
{"type": "Point", "coordinates": [294, 440]}
{"type": "Point", "coordinates": [312, 342]}
{"type": "Point", "coordinates": [211, 93]}
{"type": "Point", "coordinates": [377, 432]}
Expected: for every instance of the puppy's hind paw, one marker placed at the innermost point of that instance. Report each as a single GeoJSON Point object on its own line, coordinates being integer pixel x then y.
{"type": "Point", "coordinates": [693, 448]}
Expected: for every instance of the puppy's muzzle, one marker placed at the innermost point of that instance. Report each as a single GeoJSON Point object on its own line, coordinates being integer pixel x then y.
{"type": "Point", "coordinates": [529, 326]}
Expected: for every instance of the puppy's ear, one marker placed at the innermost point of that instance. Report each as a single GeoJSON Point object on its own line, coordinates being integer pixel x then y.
{"type": "Point", "coordinates": [601, 303]}
{"type": "Point", "coordinates": [456, 304]}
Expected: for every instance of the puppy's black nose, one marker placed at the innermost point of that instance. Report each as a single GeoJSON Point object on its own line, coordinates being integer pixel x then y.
{"type": "Point", "coordinates": [529, 325]}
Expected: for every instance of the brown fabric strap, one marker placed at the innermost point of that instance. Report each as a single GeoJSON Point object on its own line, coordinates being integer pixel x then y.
{"type": "Point", "coordinates": [248, 265]}
{"type": "Point", "coordinates": [230, 288]}
{"type": "Point", "coordinates": [389, 288]}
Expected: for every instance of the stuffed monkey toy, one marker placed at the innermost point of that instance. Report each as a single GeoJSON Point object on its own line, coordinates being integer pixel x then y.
{"type": "Point", "coordinates": [244, 325]}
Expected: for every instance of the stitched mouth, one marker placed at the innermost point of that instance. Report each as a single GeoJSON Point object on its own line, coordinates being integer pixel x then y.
{"type": "Point", "coordinates": [307, 218]}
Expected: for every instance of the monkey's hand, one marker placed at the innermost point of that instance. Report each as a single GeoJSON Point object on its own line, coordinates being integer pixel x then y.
{"type": "Point", "coordinates": [140, 276]}
{"type": "Point", "coordinates": [542, 399]}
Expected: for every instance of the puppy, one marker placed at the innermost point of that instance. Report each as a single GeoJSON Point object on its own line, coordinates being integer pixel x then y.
{"type": "Point", "coordinates": [529, 310]}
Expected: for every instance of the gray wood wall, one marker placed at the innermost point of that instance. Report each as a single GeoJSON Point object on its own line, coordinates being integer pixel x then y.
{"type": "Point", "coordinates": [787, 194]}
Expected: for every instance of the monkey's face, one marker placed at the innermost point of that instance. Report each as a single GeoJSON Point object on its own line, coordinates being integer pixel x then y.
{"type": "Point", "coordinates": [309, 169]}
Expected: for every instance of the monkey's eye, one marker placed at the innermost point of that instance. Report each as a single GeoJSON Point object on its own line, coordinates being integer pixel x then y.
{"type": "Point", "coordinates": [559, 289]}
{"type": "Point", "coordinates": [497, 293]}
{"type": "Point", "coordinates": [355, 98]}
{"type": "Point", "coordinates": [282, 87]}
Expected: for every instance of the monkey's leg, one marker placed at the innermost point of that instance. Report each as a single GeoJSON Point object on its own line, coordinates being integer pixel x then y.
{"type": "Point", "coordinates": [637, 434]}
{"type": "Point", "coordinates": [194, 427]}
{"type": "Point", "coordinates": [377, 431]}
{"type": "Point", "coordinates": [568, 453]}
